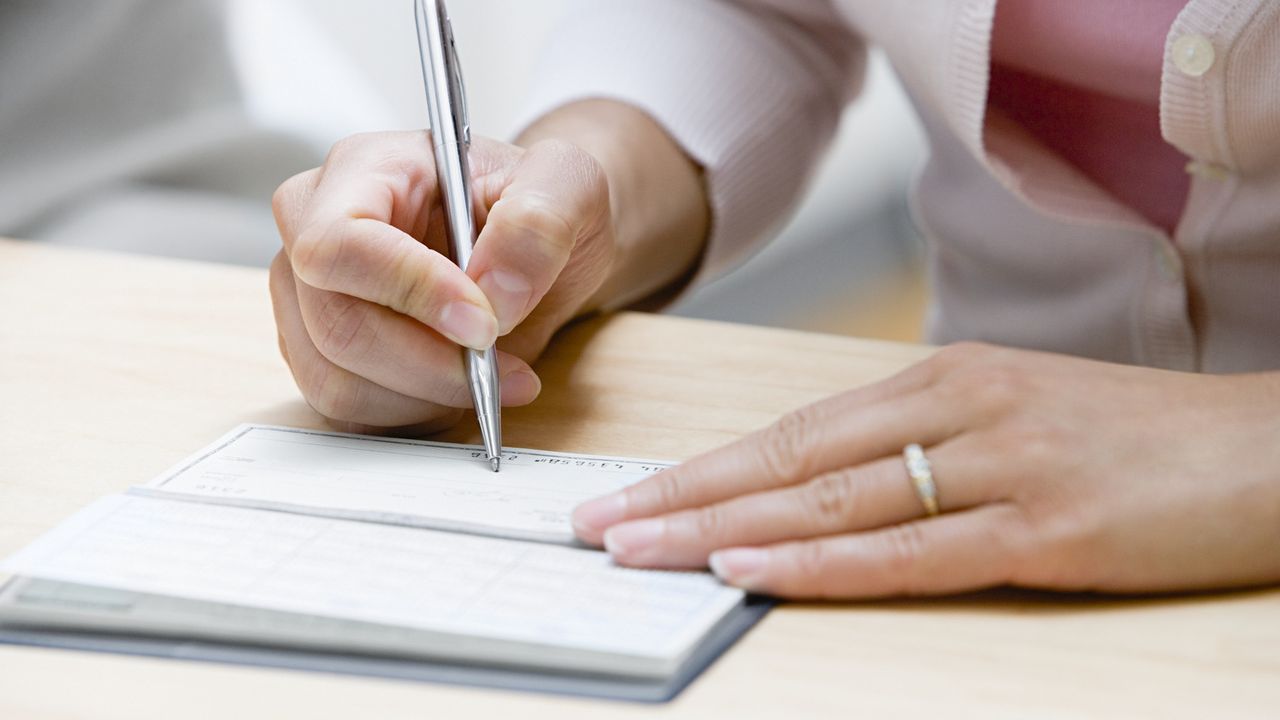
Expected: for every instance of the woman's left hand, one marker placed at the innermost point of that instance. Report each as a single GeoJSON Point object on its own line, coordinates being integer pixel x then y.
{"type": "Point", "coordinates": [1051, 471]}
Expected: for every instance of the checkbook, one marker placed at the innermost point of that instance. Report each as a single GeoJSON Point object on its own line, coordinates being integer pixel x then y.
{"type": "Point", "coordinates": [297, 548]}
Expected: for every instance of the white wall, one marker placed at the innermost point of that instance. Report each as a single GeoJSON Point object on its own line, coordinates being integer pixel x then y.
{"type": "Point", "coordinates": [334, 67]}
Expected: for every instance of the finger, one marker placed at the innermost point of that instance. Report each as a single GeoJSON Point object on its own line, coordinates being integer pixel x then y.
{"type": "Point", "coordinates": [291, 200]}
{"type": "Point", "coordinates": [835, 433]}
{"type": "Point", "coordinates": [357, 237]}
{"type": "Point", "coordinates": [951, 553]}
{"type": "Point", "coordinates": [557, 196]}
{"type": "Point", "coordinates": [864, 497]}
{"type": "Point", "coordinates": [332, 391]}
{"type": "Point", "coordinates": [577, 285]}
{"type": "Point", "coordinates": [371, 260]}
{"type": "Point", "coordinates": [401, 354]}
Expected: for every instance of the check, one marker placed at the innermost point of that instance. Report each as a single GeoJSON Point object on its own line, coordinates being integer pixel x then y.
{"type": "Point", "coordinates": [396, 481]}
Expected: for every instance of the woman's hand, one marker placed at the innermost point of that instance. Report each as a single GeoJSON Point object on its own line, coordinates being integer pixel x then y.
{"type": "Point", "coordinates": [371, 311]}
{"type": "Point", "coordinates": [1052, 472]}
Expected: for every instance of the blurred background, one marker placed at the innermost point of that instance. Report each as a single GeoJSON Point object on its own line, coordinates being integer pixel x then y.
{"type": "Point", "coordinates": [308, 72]}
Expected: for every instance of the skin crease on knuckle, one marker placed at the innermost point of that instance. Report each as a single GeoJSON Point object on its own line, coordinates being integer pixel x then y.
{"type": "Point", "coordinates": [347, 330]}
{"type": "Point", "coordinates": [808, 574]}
{"type": "Point", "coordinates": [832, 498]}
{"type": "Point", "coordinates": [332, 394]}
{"type": "Point", "coordinates": [904, 546]}
{"type": "Point", "coordinates": [348, 333]}
{"type": "Point", "coordinates": [413, 292]}
{"type": "Point", "coordinates": [710, 522]}
{"type": "Point", "coordinates": [670, 491]}
{"type": "Point", "coordinates": [537, 215]}
{"type": "Point", "coordinates": [784, 446]}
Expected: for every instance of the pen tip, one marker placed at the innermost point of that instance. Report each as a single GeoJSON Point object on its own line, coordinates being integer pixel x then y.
{"type": "Point", "coordinates": [494, 462]}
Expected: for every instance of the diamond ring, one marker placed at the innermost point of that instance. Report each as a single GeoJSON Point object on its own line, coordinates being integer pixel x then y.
{"type": "Point", "coordinates": [921, 473]}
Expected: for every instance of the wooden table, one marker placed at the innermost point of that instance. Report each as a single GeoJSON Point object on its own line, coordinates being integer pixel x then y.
{"type": "Point", "coordinates": [112, 367]}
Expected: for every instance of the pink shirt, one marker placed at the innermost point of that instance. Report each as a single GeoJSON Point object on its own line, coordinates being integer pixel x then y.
{"type": "Point", "coordinates": [1084, 78]}
{"type": "Point", "coordinates": [1060, 215]}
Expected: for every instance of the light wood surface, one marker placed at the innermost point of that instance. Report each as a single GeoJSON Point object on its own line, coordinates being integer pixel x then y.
{"type": "Point", "coordinates": [112, 367]}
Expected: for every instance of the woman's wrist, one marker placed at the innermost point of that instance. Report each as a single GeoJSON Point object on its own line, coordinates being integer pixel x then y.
{"type": "Point", "coordinates": [658, 198]}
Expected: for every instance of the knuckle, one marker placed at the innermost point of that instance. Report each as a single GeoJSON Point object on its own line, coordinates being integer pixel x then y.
{"type": "Point", "coordinates": [597, 182]}
{"type": "Point", "coordinates": [280, 198]}
{"type": "Point", "coordinates": [710, 522]}
{"type": "Point", "coordinates": [278, 276]}
{"type": "Point", "coordinates": [993, 384]}
{"type": "Point", "coordinates": [584, 165]}
{"type": "Point", "coordinates": [972, 350]}
{"type": "Point", "coordinates": [832, 497]}
{"type": "Point", "coordinates": [283, 196]}
{"type": "Point", "coordinates": [566, 155]}
{"type": "Point", "coordinates": [456, 394]}
{"type": "Point", "coordinates": [348, 146]}
{"type": "Point", "coordinates": [961, 354]}
{"type": "Point", "coordinates": [783, 450]}
{"type": "Point", "coordinates": [670, 490]}
{"type": "Point", "coordinates": [999, 385]}
{"type": "Point", "coordinates": [315, 255]}
{"type": "Point", "coordinates": [284, 350]}
{"type": "Point", "coordinates": [538, 216]}
{"type": "Point", "coordinates": [335, 396]}
{"type": "Point", "coordinates": [904, 547]}
{"type": "Point", "coordinates": [447, 387]}
{"type": "Point", "coordinates": [346, 328]}
{"type": "Point", "coordinates": [415, 295]}
{"type": "Point", "coordinates": [1031, 553]}
{"type": "Point", "coordinates": [809, 563]}
{"type": "Point", "coordinates": [1014, 544]}
{"type": "Point", "coordinates": [1037, 440]}
{"type": "Point", "coordinates": [399, 167]}
{"type": "Point", "coordinates": [398, 154]}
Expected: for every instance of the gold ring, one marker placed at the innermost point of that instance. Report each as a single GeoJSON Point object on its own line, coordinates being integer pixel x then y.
{"type": "Point", "coordinates": [921, 473]}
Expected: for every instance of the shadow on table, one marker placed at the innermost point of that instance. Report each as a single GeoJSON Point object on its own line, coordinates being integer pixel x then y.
{"type": "Point", "coordinates": [1018, 601]}
{"type": "Point", "coordinates": [558, 420]}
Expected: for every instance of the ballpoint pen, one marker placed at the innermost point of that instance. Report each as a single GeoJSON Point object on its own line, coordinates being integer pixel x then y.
{"type": "Point", "coordinates": [451, 136]}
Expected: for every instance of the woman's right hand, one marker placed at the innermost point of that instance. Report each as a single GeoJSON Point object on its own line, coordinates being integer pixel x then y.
{"type": "Point", "coordinates": [371, 312]}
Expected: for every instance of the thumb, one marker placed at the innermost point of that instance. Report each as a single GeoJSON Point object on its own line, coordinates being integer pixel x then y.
{"type": "Point", "coordinates": [556, 198]}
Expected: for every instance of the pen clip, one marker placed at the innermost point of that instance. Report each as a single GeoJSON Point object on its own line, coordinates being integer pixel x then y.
{"type": "Point", "coordinates": [459, 87]}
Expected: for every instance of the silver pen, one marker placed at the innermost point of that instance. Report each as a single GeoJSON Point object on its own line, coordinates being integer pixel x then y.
{"type": "Point", "coordinates": [451, 135]}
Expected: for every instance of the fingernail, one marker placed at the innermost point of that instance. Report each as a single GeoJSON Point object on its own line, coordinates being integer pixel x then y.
{"type": "Point", "coordinates": [633, 539]}
{"type": "Point", "coordinates": [592, 517]}
{"type": "Point", "coordinates": [468, 325]}
{"type": "Point", "coordinates": [519, 388]}
{"type": "Point", "coordinates": [509, 294]}
{"type": "Point", "coordinates": [742, 567]}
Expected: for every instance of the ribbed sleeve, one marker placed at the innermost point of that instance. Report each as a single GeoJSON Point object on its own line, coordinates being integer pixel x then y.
{"type": "Point", "coordinates": [751, 90]}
